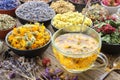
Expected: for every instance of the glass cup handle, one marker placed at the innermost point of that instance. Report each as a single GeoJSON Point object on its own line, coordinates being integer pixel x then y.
{"type": "Point", "coordinates": [104, 60]}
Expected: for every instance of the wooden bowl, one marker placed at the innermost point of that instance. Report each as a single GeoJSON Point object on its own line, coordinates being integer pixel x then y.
{"type": "Point", "coordinates": [10, 12]}
{"type": "Point", "coordinates": [3, 33]}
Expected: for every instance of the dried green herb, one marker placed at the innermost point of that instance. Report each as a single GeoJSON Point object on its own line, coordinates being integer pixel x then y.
{"type": "Point", "coordinates": [6, 22]}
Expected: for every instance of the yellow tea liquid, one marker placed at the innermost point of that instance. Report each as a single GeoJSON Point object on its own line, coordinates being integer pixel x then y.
{"type": "Point", "coordinates": [76, 44]}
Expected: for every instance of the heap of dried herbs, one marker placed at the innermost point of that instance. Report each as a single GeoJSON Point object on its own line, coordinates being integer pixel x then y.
{"type": "Point", "coordinates": [109, 29]}
{"type": "Point", "coordinates": [9, 4]}
{"type": "Point", "coordinates": [6, 22]}
{"type": "Point", "coordinates": [32, 69]}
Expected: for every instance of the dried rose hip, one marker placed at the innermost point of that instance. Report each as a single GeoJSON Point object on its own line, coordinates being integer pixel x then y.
{"type": "Point", "coordinates": [46, 62]}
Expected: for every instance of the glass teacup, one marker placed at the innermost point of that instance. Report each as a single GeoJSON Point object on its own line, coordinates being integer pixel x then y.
{"type": "Point", "coordinates": [78, 62]}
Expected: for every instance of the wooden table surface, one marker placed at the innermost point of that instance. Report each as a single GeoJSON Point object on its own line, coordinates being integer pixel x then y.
{"type": "Point", "coordinates": [87, 75]}
{"type": "Point", "coordinates": [92, 74]}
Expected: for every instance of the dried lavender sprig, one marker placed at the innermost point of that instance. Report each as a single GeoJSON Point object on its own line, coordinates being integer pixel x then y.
{"type": "Point", "coordinates": [32, 65]}
{"type": "Point", "coordinates": [43, 75]}
{"type": "Point", "coordinates": [20, 66]}
{"type": "Point", "coordinates": [14, 67]}
{"type": "Point", "coordinates": [26, 66]}
{"type": "Point", "coordinates": [24, 76]}
{"type": "Point", "coordinates": [18, 71]}
{"type": "Point", "coordinates": [34, 75]}
{"type": "Point", "coordinates": [17, 64]}
{"type": "Point", "coordinates": [29, 66]}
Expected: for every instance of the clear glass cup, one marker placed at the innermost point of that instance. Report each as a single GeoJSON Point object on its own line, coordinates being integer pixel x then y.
{"type": "Point", "coordinates": [76, 63]}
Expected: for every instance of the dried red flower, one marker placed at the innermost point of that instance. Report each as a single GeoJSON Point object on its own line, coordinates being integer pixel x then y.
{"type": "Point", "coordinates": [111, 18]}
{"type": "Point", "coordinates": [107, 29]}
{"type": "Point", "coordinates": [46, 62]}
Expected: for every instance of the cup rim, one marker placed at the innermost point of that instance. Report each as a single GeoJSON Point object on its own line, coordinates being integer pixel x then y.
{"type": "Point", "coordinates": [69, 54]}
{"type": "Point", "coordinates": [6, 40]}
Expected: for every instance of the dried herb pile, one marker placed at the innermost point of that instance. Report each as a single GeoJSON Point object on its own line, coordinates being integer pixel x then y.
{"type": "Point", "coordinates": [62, 6]}
{"type": "Point", "coordinates": [6, 22]}
{"type": "Point", "coordinates": [35, 11]}
{"type": "Point", "coordinates": [32, 69]}
{"type": "Point", "coordinates": [109, 29]}
{"type": "Point", "coordinates": [9, 4]}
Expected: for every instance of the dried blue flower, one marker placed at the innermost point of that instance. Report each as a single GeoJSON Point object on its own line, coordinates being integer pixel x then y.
{"type": "Point", "coordinates": [35, 11]}
{"type": "Point", "coordinates": [9, 4]}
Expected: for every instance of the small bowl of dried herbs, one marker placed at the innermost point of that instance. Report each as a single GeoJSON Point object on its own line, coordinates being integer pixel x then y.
{"type": "Point", "coordinates": [109, 29]}
{"type": "Point", "coordinates": [62, 6]}
{"type": "Point", "coordinates": [80, 4]}
{"type": "Point", "coordinates": [35, 11]}
{"type": "Point", "coordinates": [60, 21]}
{"type": "Point", "coordinates": [9, 6]}
{"type": "Point", "coordinates": [111, 5]}
{"type": "Point", "coordinates": [29, 40]}
{"type": "Point", "coordinates": [47, 1]}
{"type": "Point", "coordinates": [7, 23]}
{"type": "Point", "coordinates": [95, 12]}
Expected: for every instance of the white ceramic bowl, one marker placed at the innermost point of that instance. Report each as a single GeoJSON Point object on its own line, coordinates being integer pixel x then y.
{"type": "Point", "coordinates": [118, 13]}
{"type": "Point", "coordinates": [111, 9]}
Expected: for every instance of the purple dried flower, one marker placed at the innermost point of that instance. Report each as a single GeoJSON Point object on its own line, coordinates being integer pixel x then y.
{"type": "Point", "coordinates": [37, 78]}
{"type": "Point", "coordinates": [58, 71]}
{"type": "Point", "coordinates": [47, 70]}
{"type": "Point", "coordinates": [75, 78]}
{"type": "Point", "coordinates": [58, 78]}
{"type": "Point", "coordinates": [12, 75]}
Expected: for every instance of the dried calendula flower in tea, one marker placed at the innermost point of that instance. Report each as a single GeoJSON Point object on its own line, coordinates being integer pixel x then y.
{"type": "Point", "coordinates": [6, 22]}
{"type": "Point", "coordinates": [76, 49]}
{"type": "Point", "coordinates": [62, 6]}
{"type": "Point", "coordinates": [29, 36]}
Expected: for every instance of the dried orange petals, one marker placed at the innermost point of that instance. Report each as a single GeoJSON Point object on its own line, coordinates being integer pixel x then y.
{"type": "Point", "coordinates": [29, 36]}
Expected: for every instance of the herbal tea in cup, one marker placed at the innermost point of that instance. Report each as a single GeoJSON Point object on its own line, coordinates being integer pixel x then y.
{"type": "Point", "coordinates": [77, 51]}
